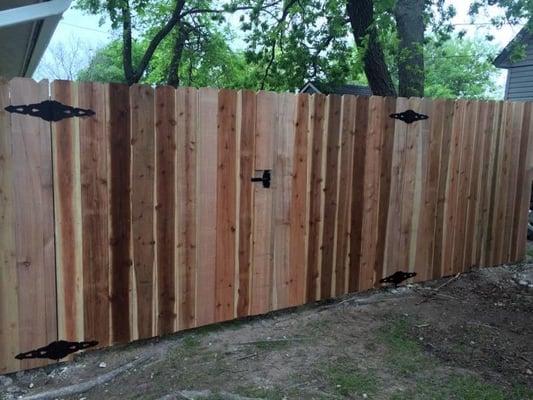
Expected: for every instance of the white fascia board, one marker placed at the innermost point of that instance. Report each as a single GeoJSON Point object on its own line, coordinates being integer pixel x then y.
{"type": "Point", "coordinates": [33, 12]}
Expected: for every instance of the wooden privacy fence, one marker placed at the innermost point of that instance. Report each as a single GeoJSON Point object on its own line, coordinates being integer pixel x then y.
{"type": "Point", "coordinates": [142, 219]}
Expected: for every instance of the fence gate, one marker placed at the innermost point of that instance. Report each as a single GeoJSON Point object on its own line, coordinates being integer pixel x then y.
{"type": "Point", "coordinates": [131, 212]}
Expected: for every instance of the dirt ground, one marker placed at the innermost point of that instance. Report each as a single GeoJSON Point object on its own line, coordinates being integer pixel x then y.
{"type": "Point", "coordinates": [470, 339]}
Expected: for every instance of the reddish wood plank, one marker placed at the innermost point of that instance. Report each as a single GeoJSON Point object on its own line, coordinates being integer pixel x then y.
{"type": "Point", "coordinates": [94, 147]}
{"type": "Point", "coordinates": [118, 117]}
{"type": "Point", "coordinates": [206, 193]}
{"type": "Point", "coordinates": [247, 114]}
{"type": "Point", "coordinates": [316, 196]}
{"type": "Point", "coordinates": [34, 235]}
{"type": "Point", "coordinates": [523, 189]}
{"type": "Point", "coordinates": [356, 214]}
{"type": "Point", "coordinates": [142, 203]}
{"type": "Point", "coordinates": [298, 205]}
{"type": "Point", "coordinates": [165, 165]}
{"type": "Point", "coordinates": [69, 272]}
{"type": "Point", "coordinates": [330, 192]}
{"type": "Point", "coordinates": [187, 110]}
{"type": "Point", "coordinates": [387, 148]}
{"type": "Point", "coordinates": [226, 205]}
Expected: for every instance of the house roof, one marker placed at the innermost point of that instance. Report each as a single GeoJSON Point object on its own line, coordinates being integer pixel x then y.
{"type": "Point", "coordinates": [26, 27]}
{"type": "Point", "coordinates": [327, 88]}
{"type": "Point", "coordinates": [503, 59]}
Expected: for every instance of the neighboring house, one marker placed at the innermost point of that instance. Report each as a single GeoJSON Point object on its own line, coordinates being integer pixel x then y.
{"type": "Point", "coordinates": [26, 27]}
{"type": "Point", "coordinates": [519, 85]}
{"type": "Point", "coordinates": [325, 88]}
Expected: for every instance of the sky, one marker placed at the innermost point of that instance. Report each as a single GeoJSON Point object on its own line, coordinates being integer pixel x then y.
{"type": "Point", "coordinates": [88, 30]}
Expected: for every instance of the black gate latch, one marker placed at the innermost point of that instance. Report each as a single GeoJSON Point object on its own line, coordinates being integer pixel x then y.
{"type": "Point", "coordinates": [265, 178]}
{"type": "Point", "coordinates": [50, 110]}
{"type": "Point", "coordinates": [409, 116]}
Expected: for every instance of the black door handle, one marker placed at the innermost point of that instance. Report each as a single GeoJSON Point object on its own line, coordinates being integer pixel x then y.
{"type": "Point", "coordinates": [265, 178]}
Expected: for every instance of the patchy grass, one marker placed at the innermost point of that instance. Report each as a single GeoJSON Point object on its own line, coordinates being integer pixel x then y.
{"type": "Point", "coordinates": [347, 379]}
{"type": "Point", "coordinates": [404, 354]}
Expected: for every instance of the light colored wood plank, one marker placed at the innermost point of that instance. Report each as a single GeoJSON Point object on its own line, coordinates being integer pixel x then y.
{"type": "Point", "coordinates": [187, 115]}
{"type": "Point", "coordinates": [316, 196]}
{"type": "Point", "coordinates": [247, 117]}
{"type": "Point", "coordinates": [9, 319]}
{"type": "Point", "coordinates": [142, 203]}
{"type": "Point", "coordinates": [262, 240]}
{"type": "Point", "coordinates": [452, 188]}
{"type": "Point", "coordinates": [298, 205]}
{"type": "Point", "coordinates": [34, 237]}
{"type": "Point", "coordinates": [94, 156]}
{"type": "Point", "coordinates": [282, 180]}
{"type": "Point", "coordinates": [226, 205]}
{"type": "Point", "coordinates": [442, 189]}
{"type": "Point", "coordinates": [67, 202]}
{"type": "Point", "coordinates": [345, 172]}
{"type": "Point", "coordinates": [394, 226]}
{"type": "Point", "coordinates": [333, 137]}
{"type": "Point", "coordinates": [206, 194]}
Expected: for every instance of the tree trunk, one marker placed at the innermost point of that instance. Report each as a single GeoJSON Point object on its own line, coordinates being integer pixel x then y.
{"type": "Point", "coordinates": [409, 15]}
{"type": "Point", "coordinates": [173, 78]}
{"type": "Point", "coordinates": [361, 14]}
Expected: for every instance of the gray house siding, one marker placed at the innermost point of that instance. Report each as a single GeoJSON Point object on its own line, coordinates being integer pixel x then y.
{"type": "Point", "coordinates": [519, 85]}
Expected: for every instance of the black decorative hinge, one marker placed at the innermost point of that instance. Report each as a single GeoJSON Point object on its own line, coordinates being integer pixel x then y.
{"type": "Point", "coordinates": [50, 110]}
{"type": "Point", "coordinates": [398, 277]}
{"type": "Point", "coordinates": [56, 350]}
{"type": "Point", "coordinates": [265, 178]}
{"type": "Point", "coordinates": [409, 116]}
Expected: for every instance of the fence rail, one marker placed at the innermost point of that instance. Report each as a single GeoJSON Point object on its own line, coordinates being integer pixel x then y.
{"type": "Point", "coordinates": [142, 219]}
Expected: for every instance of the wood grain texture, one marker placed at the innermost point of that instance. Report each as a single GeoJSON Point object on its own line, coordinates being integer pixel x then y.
{"type": "Point", "coordinates": [94, 148]}
{"type": "Point", "coordinates": [298, 205]}
{"type": "Point", "coordinates": [248, 110]}
{"type": "Point", "coordinates": [333, 136]}
{"type": "Point", "coordinates": [282, 181]}
{"type": "Point", "coordinates": [9, 318]}
{"type": "Point", "coordinates": [143, 203]}
{"type": "Point", "coordinates": [344, 194]}
{"type": "Point", "coordinates": [357, 200]}
{"type": "Point", "coordinates": [262, 238]}
{"type": "Point", "coordinates": [34, 236]}
{"type": "Point", "coordinates": [119, 134]}
{"type": "Point", "coordinates": [316, 196]}
{"type": "Point", "coordinates": [165, 162]}
{"type": "Point", "coordinates": [187, 164]}
{"type": "Point", "coordinates": [67, 201]}
{"type": "Point", "coordinates": [157, 226]}
{"type": "Point", "coordinates": [206, 193]}
{"type": "Point", "coordinates": [226, 219]}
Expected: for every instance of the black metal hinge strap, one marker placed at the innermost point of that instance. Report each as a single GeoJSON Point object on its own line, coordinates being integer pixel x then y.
{"type": "Point", "coordinates": [408, 116]}
{"type": "Point", "coordinates": [56, 350]}
{"type": "Point", "coordinates": [50, 110]}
